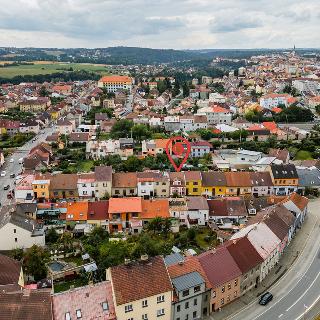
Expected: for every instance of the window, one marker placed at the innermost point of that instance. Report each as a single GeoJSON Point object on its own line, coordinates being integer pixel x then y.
{"type": "Point", "coordinates": [15, 239]}
{"type": "Point", "coordinates": [213, 294]}
{"type": "Point", "coordinates": [67, 316]}
{"type": "Point", "coordinates": [145, 317]}
{"type": "Point", "coordinates": [128, 308]}
{"type": "Point", "coordinates": [178, 308]}
{"type": "Point", "coordinates": [196, 289]}
{"type": "Point", "coordinates": [228, 298]}
{"type": "Point", "coordinates": [144, 303]}
{"type": "Point", "coordinates": [195, 302]}
{"type": "Point", "coordinates": [160, 312]}
{"type": "Point", "coordinates": [235, 282]}
{"type": "Point", "coordinates": [223, 289]}
{"type": "Point", "coordinates": [116, 192]}
{"type": "Point", "coordinates": [160, 299]}
{"type": "Point", "coordinates": [14, 230]}
{"type": "Point", "coordinates": [235, 293]}
{"type": "Point", "coordinates": [194, 315]}
{"type": "Point", "coordinates": [78, 313]}
{"type": "Point", "coordinates": [222, 301]}
{"type": "Point", "coordinates": [105, 306]}
{"type": "Point", "coordinates": [185, 293]}
{"type": "Point", "coordinates": [229, 286]}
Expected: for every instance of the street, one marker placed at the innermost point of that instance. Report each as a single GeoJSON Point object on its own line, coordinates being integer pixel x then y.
{"type": "Point", "coordinates": [297, 293]}
{"type": "Point", "coordinates": [15, 167]}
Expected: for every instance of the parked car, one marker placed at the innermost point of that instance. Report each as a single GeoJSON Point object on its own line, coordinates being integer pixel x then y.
{"type": "Point", "coordinates": [265, 298]}
{"type": "Point", "coordinates": [11, 160]}
{"type": "Point", "coordinates": [7, 187]}
{"type": "Point", "coordinates": [3, 174]}
{"type": "Point", "coordinates": [12, 175]}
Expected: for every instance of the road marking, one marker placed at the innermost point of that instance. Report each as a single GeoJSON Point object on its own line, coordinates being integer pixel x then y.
{"type": "Point", "coordinates": [312, 283]}
{"type": "Point", "coordinates": [308, 309]}
{"type": "Point", "coordinates": [280, 315]}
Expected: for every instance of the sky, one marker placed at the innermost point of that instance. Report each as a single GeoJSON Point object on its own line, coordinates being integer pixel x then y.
{"type": "Point", "coordinates": [176, 24]}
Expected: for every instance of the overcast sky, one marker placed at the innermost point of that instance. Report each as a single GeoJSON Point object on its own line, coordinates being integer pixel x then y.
{"type": "Point", "coordinates": [178, 24]}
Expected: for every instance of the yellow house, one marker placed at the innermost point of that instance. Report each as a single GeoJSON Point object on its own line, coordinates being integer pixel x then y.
{"type": "Point", "coordinates": [152, 300]}
{"type": "Point", "coordinates": [213, 184]}
{"type": "Point", "coordinates": [40, 187]}
{"type": "Point", "coordinates": [193, 183]}
{"type": "Point", "coordinates": [36, 105]}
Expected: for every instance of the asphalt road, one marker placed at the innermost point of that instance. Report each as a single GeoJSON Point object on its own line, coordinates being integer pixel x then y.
{"type": "Point", "coordinates": [15, 167]}
{"type": "Point", "coordinates": [297, 293]}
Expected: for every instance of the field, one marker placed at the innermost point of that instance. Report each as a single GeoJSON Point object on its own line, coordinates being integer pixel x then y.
{"type": "Point", "coordinates": [48, 68]}
{"type": "Point", "coordinates": [303, 155]}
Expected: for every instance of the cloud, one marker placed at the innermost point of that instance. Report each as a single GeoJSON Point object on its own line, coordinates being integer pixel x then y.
{"type": "Point", "coordinates": [160, 24]}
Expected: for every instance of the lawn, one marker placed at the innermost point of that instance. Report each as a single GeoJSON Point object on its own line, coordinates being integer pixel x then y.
{"type": "Point", "coordinates": [64, 286]}
{"type": "Point", "coordinates": [205, 239]}
{"type": "Point", "coordinates": [48, 68]}
{"type": "Point", "coordinates": [303, 155]}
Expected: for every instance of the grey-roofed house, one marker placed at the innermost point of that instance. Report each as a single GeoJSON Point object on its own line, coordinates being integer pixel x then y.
{"type": "Point", "coordinates": [189, 289]}
{"type": "Point", "coordinates": [19, 231]}
{"type": "Point", "coordinates": [309, 178]}
{"type": "Point", "coordinates": [197, 211]}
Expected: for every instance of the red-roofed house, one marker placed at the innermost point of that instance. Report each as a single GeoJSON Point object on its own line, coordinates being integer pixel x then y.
{"type": "Point", "coordinates": [223, 274]}
{"type": "Point", "coordinates": [216, 114]}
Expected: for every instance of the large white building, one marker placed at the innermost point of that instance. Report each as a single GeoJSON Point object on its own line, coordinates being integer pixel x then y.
{"type": "Point", "coordinates": [115, 83]}
{"type": "Point", "coordinates": [306, 85]}
{"type": "Point", "coordinates": [273, 100]}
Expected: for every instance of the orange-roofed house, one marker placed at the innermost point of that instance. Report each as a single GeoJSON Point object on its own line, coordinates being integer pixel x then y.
{"type": "Point", "coordinates": [124, 211]}
{"type": "Point", "coordinates": [154, 147]}
{"type": "Point", "coordinates": [271, 126]}
{"type": "Point", "coordinates": [77, 212]}
{"type": "Point", "coordinates": [276, 110]}
{"type": "Point", "coordinates": [154, 208]}
{"type": "Point", "coordinates": [115, 83]}
{"type": "Point", "coordinates": [62, 88]}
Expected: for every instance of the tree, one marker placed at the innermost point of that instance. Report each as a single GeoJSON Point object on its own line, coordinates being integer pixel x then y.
{"type": "Point", "coordinates": [43, 92]}
{"type": "Point", "coordinates": [141, 132]}
{"type": "Point", "coordinates": [35, 262]}
{"type": "Point", "coordinates": [52, 236]}
{"type": "Point", "coordinates": [317, 107]}
{"type": "Point", "coordinates": [66, 242]}
{"type": "Point", "coordinates": [121, 129]}
{"type": "Point", "coordinates": [17, 254]}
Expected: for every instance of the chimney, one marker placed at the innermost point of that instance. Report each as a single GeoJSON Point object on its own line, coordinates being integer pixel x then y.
{"type": "Point", "coordinates": [144, 257]}
{"type": "Point", "coordinates": [127, 261]}
{"type": "Point", "coordinates": [181, 262]}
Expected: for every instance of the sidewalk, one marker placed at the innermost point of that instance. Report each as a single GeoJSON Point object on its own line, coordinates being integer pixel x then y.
{"type": "Point", "coordinates": [288, 258]}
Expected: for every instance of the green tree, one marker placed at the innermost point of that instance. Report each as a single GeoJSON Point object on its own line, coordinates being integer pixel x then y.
{"type": "Point", "coordinates": [43, 92]}
{"type": "Point", "coordinates": [121, 129]}
{"type": "Point", "coordinates": [317, 107]}
{"type": "Point", "coordinates": [35, 262]}
{"type": "Point", "coordinates": [52, 236]}
{"type": "Point", "coordinates": [17, 254]}
{"type": "Point", "coordinates": [141, 132]}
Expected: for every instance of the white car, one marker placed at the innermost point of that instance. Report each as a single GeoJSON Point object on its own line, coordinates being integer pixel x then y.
{"type": "Point", "coordinates": [11, 160]}
{"type": "Point", "coordinates": [3, 174]}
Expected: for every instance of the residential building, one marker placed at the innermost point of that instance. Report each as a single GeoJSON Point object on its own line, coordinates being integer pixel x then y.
{"type": "Point", "coordinates": [216, 115]}
{"type": "Point", "coordinates": [262, 184]}
{"type": "Point", "coordinates": [273, 100]}
{"type": "Point", "coordinates": [122, 211]}
{"type": "Point", "coordinates": [41, 188]}
{"type": "Point", "coordinates": [64, 126]}
{"type": "Point", "coordinates": [285, 178]}
{"type": "Point", "coordinates": [124, 184]}
{"type": "Point", "coordinates": [98, 214]}
{"type": "Point", "coordinates": [64, 186]}
{"type": "Point", "coordinates": [153, 184]}
{"type": "Point", "coordinates": [193, 183]}
{"type": "Point", "coordinates": [94, 301]}
{"type": "Point", "coordinates": [18, 231]}
{"type": "Point", "coordinates": [103, 181]}
{"type": "Point", "coordinates": [200, 148]}
{"type": "Point", "coordinates": [86, 185]}
{"type": "Point", "coordinates": [238, 183]}
{"type": "Point", "coordinates": [11, 276]}
{"type": "Point", "coordinates": [142, 289]}
{"type": "Point", "coordinates": [214, 184]}
{"type": "Point", "coordinates": [224, 276]}
{"type": "Point", "coordinates": [197, 212]}
{"type": "Point", "coordinates": [24, 189]}
{"type": "Point", "coordinates": [177, 184]}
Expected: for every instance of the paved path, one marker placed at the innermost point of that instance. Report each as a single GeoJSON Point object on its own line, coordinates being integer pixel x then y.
{"type": "Point", "coordinates": [297, 291]}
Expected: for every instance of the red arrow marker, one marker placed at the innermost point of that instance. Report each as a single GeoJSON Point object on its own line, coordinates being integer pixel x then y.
{"type": "Point", "coordinates": [180, 148]}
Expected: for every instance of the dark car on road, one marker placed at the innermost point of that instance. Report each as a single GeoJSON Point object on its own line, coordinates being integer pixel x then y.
{"type": "Point", "coordinates": [7, 187]}
{"type": "Point", "coordinates": [12, 175]}
{"type": "Point", "coordinates": [265, 298]}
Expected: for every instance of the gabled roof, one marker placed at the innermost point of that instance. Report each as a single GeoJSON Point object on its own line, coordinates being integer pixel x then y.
{"type": "Point", "coordinates": [300, 201]}
{"type": "Point", "coordinates": [155, 208]}
{"type": "Point", "coordinates": [139, 280]}
{"type": "Point", "coordinates": [26, 305]}
{"type": "Point", "coordinates": [219, 266]}
{"type": "Point", "coordinates": [261, 179]}
{"type": "Point", "coordinates": [124, 180]}
{"type": "Point", "coordinates": [244, 254]}
{"type": "Point", "coordinates": [187, 281]}
{"type": "Point", "coordinates": [213, 178]}
{"type": "Point", "coordinates": [10, 271]}
{"type": "Point", "coordinates": [98, 210]}
{"type": "Point", "coordinates": [103, 173]}
{"type": "Point", "coordinates": [192, 176]}
{"type": "Point", "coordinates": [78, 209]}
{"type": "Point", "coordinates": [229, 206]}
{"type": "Point", "coordinates": [284, 171]}
{"type": "Point", "coordinates": [281, 154]}
{"type": "Point", "coordinates": [118, 205]}
{"type": "Point", "coordinates": [64, 182]}
{"type": "Point", "coordinates": [238, 179]}
{"type": "Point", "coordinates": [89, 299]}
{"type": "Point", "coordinates": [197, 203]}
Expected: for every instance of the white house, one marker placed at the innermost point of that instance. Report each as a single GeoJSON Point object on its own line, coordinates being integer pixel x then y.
{"type": "Point", "coordinates": [200, 148]}
{"type": "Point", "coordinates": [18, 231]}
{"type": "Point", "coordinates": [216, 115]}
{"type": "Point", "coordinates": [197, 212]}
{"type": "Point", "coordinates": [86, 185]}
{"type": "Point", "coordinates": [273, 100]}
{"type": "Point", "coordinates": [217, 97]}
{"type": "Point", "coordinates": [23, 189]}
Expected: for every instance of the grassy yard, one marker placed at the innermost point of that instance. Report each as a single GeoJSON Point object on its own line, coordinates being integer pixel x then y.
{"type": "Point", "coordinates": [303, 155]}
{"type": "Point", "coordinates": [48, 68]}
{"type": "Point", "coordinates": [206, 239]}
{"type": "Point", "coordinates": [64, 286]}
